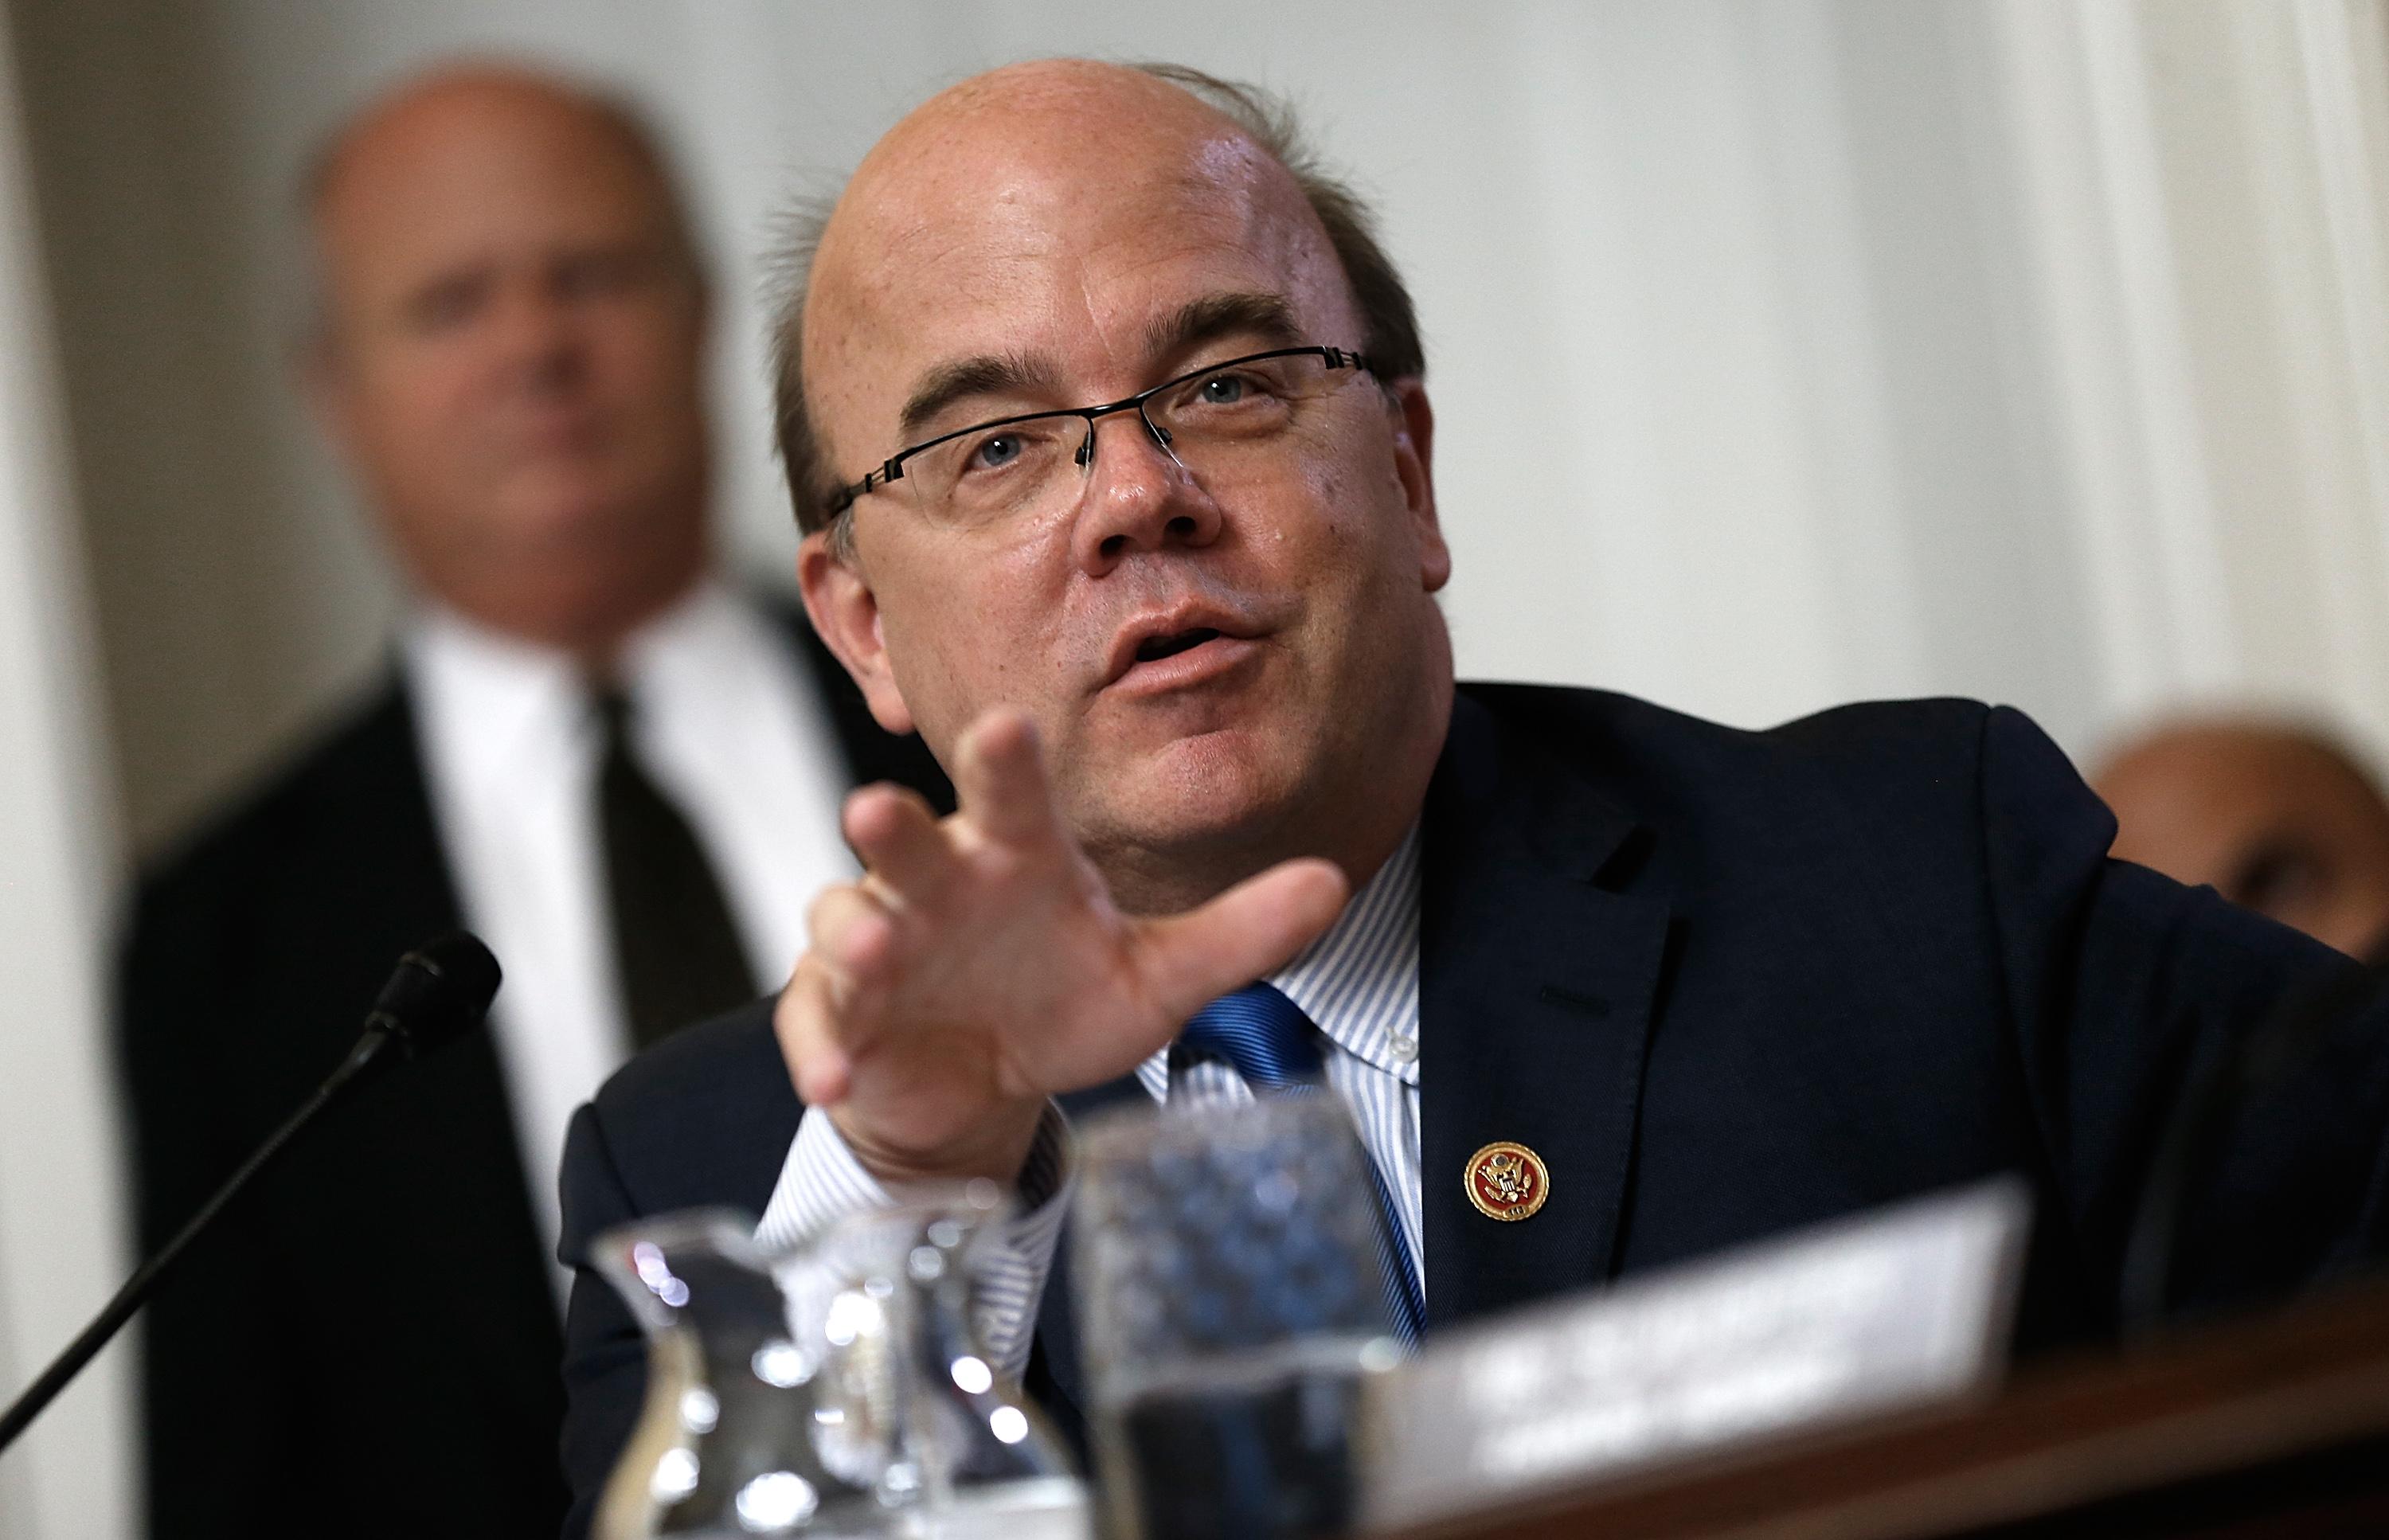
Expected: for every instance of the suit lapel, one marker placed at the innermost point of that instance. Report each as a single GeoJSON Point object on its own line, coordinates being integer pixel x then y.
{"type": "Point", "coordinates": [1537, 984]}
{"type": "Point", "coordinates": [438, 1142]}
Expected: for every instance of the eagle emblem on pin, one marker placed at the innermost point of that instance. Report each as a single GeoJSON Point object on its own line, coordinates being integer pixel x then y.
{"type": "Point", "coordinates": [1507, 1181]}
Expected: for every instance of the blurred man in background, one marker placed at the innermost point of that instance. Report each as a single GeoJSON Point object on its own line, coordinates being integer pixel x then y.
{"type": "Point", "coordinates": [619, 773]}
{"type": "Point", "coordinates": [2274, 817]}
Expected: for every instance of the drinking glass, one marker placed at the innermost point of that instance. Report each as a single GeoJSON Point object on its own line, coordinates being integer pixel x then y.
{"type": "Point", "coordinates": [1231, 1291]}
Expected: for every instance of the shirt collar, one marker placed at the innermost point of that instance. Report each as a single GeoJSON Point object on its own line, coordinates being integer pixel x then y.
{"type": "Point", "coordinates": [1358, 982]}
{"type": "Point", "coordinates": [502, 708]}
{"type": "Point", "coordinates": [494, 707]}
{"type": "Point", "coordinates": [681, 654]}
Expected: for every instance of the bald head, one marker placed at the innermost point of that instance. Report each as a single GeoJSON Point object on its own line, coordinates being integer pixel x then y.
{"type": "Point", "coordinates": [509, 350]}
{"type": "Point", "coordinates": [1029, 150]}
{"type": "Point", "coordinates": [2274, 818]}
{"type": "Point", "coordinates": [442, 113]}
{"type": "Point", "coordinates": [1037, 143]}
{"type": "Point", "coordinates": [1143, 101]}
{"type": "Point", "coordinates": [980, 187]}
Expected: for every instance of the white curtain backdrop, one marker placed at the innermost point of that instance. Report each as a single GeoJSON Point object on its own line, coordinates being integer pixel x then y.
{"type": "Point", "coordinates": [60, 1251]}
{"type": "Point", "coordinates": [1784, 352]}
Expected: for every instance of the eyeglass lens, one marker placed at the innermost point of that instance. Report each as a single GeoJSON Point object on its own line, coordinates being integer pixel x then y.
{"type": "Point", "coordinates": [1215, 424]}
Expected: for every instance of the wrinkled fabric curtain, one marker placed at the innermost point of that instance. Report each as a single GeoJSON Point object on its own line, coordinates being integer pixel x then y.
{"type": "Point", "coordinates": [62, 1215]}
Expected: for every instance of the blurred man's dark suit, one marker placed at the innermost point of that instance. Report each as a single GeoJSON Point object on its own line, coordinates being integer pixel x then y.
{"type": "Point", "coordinates": [367, 1343]}
{"type": "Point", "coordinates": [1727, 984]}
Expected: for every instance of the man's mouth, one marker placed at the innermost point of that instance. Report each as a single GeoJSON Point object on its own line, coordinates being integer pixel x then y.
{"type": "Point", "coordinates": [1186, 645]}
{"type": "Point", "coordinates": [1154, 648]}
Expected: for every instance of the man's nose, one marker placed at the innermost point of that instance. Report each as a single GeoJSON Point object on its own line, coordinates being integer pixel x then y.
{"type": "Point", "coordinates": [538, 338]}
{"type": "Point", "coordinates": [1139, 497]}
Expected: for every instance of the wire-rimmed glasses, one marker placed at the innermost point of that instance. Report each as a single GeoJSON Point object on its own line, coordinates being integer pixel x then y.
{"type": "Point", "coordinates": [1205, 421]}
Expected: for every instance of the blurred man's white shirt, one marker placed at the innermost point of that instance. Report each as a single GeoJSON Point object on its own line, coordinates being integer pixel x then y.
{"type": "Point", "coordinates": [726, 721]}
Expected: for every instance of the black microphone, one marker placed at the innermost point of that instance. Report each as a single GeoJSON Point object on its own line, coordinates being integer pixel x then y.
{"type": "Point", "coordinates": [440, 991]}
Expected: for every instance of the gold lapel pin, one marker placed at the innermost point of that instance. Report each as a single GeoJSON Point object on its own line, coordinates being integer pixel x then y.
{"type": "Point", "coordinates": [1507, 1181]}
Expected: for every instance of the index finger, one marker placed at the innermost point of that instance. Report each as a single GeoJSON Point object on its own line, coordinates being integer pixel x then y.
{"type": "Point", "coordinates": [894, 831]}
{"type": "Point", "coordinates": [1000, 777]}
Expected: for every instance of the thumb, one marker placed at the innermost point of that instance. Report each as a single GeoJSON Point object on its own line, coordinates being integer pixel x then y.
{"type": "Point", "coordinates": [1189, 959]}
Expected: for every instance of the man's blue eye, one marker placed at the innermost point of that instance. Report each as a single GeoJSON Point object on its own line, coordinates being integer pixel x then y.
{"type": "Point", "coordinates": [996, 453]}
{"type": "Point", "coordinates": [1223, 390]}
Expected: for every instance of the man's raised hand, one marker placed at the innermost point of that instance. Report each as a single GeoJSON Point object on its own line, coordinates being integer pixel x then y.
{"type": "Point", "coordinates": [981, 966]}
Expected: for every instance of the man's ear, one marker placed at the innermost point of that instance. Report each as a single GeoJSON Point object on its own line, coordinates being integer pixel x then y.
{"type": "Point", "coordinates": [846, 616]}
{"type": "Point", "coordinates": [1414, 419]}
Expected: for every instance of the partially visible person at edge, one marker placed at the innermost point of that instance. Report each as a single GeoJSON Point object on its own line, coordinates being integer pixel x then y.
{"type": "Point", "coordinates": [622, 772]}
{"type": "Point", "coordinates": [1107, 423]}
{"type": "Point", "coordinates": [2275, 816]}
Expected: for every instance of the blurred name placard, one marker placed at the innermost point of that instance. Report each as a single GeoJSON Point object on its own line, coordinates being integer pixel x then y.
{"type": "Point", "coordinates": [1899, 1307]}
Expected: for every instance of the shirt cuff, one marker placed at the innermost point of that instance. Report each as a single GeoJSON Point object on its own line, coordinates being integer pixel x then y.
{"type": "Point", "coordinates": [823, 1182]}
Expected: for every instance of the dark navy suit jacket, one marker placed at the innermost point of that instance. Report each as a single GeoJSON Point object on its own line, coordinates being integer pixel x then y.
{"type": "Point", "coordinates": [1727, 984]}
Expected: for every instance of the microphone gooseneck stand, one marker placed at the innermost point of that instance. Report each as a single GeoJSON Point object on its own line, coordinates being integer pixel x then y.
{"type": "Point", "coordinates": [440, 991]}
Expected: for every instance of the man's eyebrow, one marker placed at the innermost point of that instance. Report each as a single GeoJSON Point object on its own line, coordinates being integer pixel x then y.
{"type": "Point", "coordinates": [985, 375]}
{"type": "Point", "coordinates": [1266, 317]}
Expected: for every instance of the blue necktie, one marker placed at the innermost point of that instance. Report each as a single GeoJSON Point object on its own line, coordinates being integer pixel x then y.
{"type": "Point", "coordinates": [1268, 1040]}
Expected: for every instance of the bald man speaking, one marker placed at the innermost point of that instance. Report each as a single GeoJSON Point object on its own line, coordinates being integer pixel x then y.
{"type": "Point", "coordinates": [1107, 420]}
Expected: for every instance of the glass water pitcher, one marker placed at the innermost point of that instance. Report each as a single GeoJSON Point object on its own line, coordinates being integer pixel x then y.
{"type": "Point", "coordinates": [840, 1390]}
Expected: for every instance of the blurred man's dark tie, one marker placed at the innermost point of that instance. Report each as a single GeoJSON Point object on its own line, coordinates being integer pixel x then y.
{"type": "Point", "coordinates": [675, 946]}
